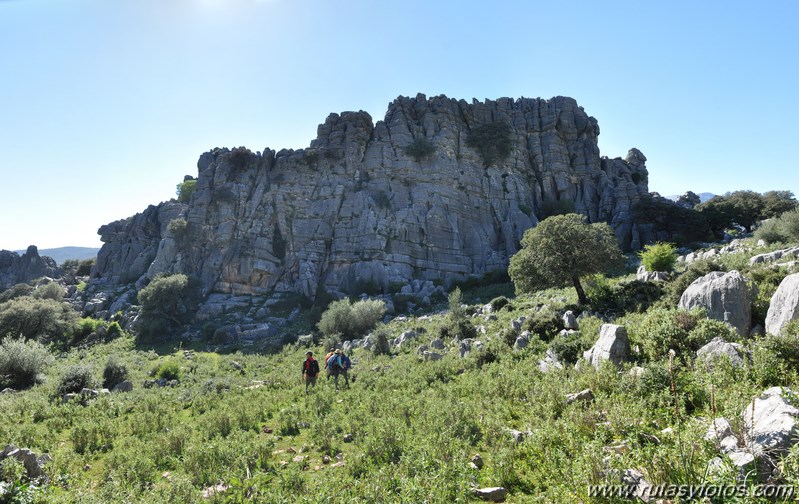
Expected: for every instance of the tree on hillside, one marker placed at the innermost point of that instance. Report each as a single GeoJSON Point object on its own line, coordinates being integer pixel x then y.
{"type": "Point", "coordinates": [560, 250]}
{"type": "Point", "coordinates": [167, 303]}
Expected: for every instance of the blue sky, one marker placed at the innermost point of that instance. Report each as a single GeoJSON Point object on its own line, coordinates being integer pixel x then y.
{"type": "Point", "coordinates": [106, 105]}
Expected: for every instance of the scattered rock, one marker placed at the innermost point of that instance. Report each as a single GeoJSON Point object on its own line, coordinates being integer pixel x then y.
{"type": "Point", "coordinates": [493, 494]}
{"type": "Point", "coordinates": [325, 459]}
{"type": "Point", "coordinates": [213, 491]}
{"type": "Point", "coordinates": [583, 396]}
{"type": "Point", "coordinates": [770, 423]}
{"type": "Point", "coordinates": [34, 464]}
{"type": "Point", "coordinates": [642, 275]}
{"type": "Point", "coordinates": [549, 362]}
{"type": "Point", "coordinates": [235, 365]}
{"type": "Point", "coordinates": [438, 344]}
{"type": "Point", "coordinates": [431, 356]}
{"type": "Point", "coordinates": [477, 460]}
{"type": "Point", "coordinates": [516, 324]}
{"type": "Point", "coordinates": [348, 438]}
{"type": "Point", "coordinates": [7, 390]}
{"type": "Point", "coordinates": [570, 321]}
{"type": "Point", "coordinates": [717, 348]}
{"type": "Point", "coordinates": [124, 386]}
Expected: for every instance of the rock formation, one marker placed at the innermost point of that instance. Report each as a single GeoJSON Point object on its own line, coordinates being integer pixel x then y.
{"type": "Point", "coordinates": [361, 210]}
{"type": "Point", "coordinates": [29, 266]}
{"type": "Point", "coordinates": [725, 296]}
{"type": "Point", "coordinates": [784, 306]}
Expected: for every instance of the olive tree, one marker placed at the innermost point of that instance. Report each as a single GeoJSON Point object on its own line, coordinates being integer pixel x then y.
{"type": "Point", "coordinates": [560, 250]}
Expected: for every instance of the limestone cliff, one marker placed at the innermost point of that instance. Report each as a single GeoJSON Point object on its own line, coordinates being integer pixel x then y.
{"type": "Point", "coordinates": [356, 212]}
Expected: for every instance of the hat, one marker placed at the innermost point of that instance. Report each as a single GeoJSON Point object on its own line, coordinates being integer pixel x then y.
{"type": "Point", "coordinates": [338, 350]}
{"type": "Point", "coordinates": [309, 353]}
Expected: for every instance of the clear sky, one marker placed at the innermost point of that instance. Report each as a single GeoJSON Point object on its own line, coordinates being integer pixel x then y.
{"type": "Point", "coordinates": [106, 104]}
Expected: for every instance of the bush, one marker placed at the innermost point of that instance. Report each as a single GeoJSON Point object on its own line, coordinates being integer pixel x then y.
{"type": "Point", "coordinates": [379, 340]}
{"type": "Point", "coordinates": [569, 347]}
{"type": "Point", "coordinates": [498, 303]}
{"type": "Point", "coordinates": [351, 320]}
{"type": "Point", "coordinates": [114, 372]}
{"type": "Point", "coordinates": [168, 370]}
{"type": "Point", "coordinates": [663, 329]}
{"type": "Point", "coordinates": [771, 231]}
{"type": "Point", "coordinates": [167, 303]}
{"type": "Point", "coordinates": [85, 327]}
{"type": "Point", "coordinates": [74, 379]}
{"type": "Point", "coordinates": [50, 290]}
{"type": "Point", "coordinates": [45, 320]}
{"type": "Point", "coordinates": [18, 290]}
{"type": "Point", "coordinates": [545, 323]}
{"type": "Point", "coordinates": [185, 190]}
{"type": "Point", "coordinates": [420, 149]}
{"type": "Point", "coordinates": [22, 362]}
{"type": "Point", "coordinates": [659, 257]}
{"type": "Point", "coordinates": [492, 141]}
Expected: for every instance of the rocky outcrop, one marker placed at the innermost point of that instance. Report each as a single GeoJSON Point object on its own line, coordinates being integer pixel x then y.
{"type": "Point", "coordinates": [725, 296]}
{"type": "Point", "coordinates": [784, 306]}
{"type": "Point", "coordinates": [613, 345]}
{"type": "Point", "coordinates": [355, 212]}
{"type": "Point", "coordinates": [29, 266]}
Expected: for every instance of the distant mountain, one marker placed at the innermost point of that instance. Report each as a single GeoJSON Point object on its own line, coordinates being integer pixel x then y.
{"type": "Point", "coordinates": [61, 254]}
{"type": "Point", "coordinates": [703, 196]}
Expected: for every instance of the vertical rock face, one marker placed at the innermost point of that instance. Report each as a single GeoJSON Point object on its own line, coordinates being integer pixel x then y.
{"type": "Point", "coordinates": [355, 212]}
{"type": "Point", "coordinates": [784, 306]}
{"type": "Point", "coordinates": [15, 268]}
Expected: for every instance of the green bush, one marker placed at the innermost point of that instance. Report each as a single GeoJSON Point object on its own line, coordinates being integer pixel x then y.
{"type": "Point", "coordinates": [167, 303]}
{"type": "Point", "coordinates": [772, 231]}
{"type": "Point", "coordinates": [74, 379]}
{"type": "Point", "coordinates": [498, 303]}
{"type": "Point", "coordinates": [185, 190]}
{"type": "Point", "coordinates": [664, 329]}
{"type": "Point", "coordinates": [16, 291]}
{"type": "Point", "coordinates": [50, 290]}
{"type": "Point", "coordinates": [84, 327]}
{"type": "Point", "coordinates": [114, 372]}
{"type": "Point", "coordinates": [22, 362]}
{"type": "Point", "coordinates": [569, 347]}
{"type": "Point", "coordinates": [786, 344]}
{"type": "Point", "coordinates": [45, 320]}
{"type": "Point", "coordinates": [492, 141]}
{"type": "Point", "coordinates": [379, 339]}
{"type": "Point", "coordinates": [544, 323]}
{"type": "Point", "coordinates": [12, 471]}
{"type": "Point", "coordinates": [168, 370]}
{"type": "Point", "coordinates": [351, 320]}
{"type": "Point", "coordinates": [659, 256]}
{"type": "Point", "coordinates": [420, 149]}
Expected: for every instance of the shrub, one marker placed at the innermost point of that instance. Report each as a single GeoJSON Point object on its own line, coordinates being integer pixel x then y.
{"type": "Point", "coordinates": [114, 372]}
{"type": "Point", "coordinates": [545, 323]}
{"type": "Point", "coordinates": [379, 340]}
{"type": "Point", "coordinates": [167, 303]}
{"type": "Point", "coordinates": [569, 347]}
{"type": "Point", "coordinates": [168, 370]}
{"type": "Point", "coordinates": [772, 231]}
{"type": "Point", "coordinates": [459, 326]}
{"type": "Point", "coordinates": [42, 319]}
{"type": "Point", "coordinates": [12, 471]}
{"type": "Point", "coordinates": [492, 141]}
{"type": "Point", "coordinates": [185, 190]}
{"type": "Point", "coordinates": [659, 257]}
{"type": "Point", "coordinates": [74, 379]}
{"type": "Point", "coordinates": [85, 327]}
{"type": "Point", "coordinates": [50, 290]}
{"type": "Point", "coordinates": [22, 362]}
{"type": "Point", "coordinates": [351, 320]}
{"type": "Point", "coordinates": [663, 329]}
{"type": "Point", "coordinates": [18, 290]}
{"type": "Point", "coordinates": [498, 303]}
{"type": "Point", "coordinates": [420, 149]}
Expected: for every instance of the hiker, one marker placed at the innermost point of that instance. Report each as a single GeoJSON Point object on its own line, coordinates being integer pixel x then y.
{"type": "Point", "coordinates": [310, 368]}
{"type": "Point", "coordinates": [334, 366]}
{"type": "Point", "coordinates": [329, 355]}
{"type": "Point", "coordinates": [345, 368]}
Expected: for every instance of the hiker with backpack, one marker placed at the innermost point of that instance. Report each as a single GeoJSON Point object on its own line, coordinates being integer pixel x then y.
{"type": "Point", "coordinates": [334, 366]}
{"type": "Point", "coordinates": [310, 368]}
{"type": "Point", "coordinates": [345, 368]}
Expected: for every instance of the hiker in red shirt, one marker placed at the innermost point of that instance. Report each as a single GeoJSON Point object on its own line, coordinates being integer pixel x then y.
{"type": "Point", "coordinates": [310, 368]}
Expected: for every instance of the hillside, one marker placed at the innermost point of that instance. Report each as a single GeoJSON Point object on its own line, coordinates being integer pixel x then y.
{"type": "Point", "coordinates": [439, 417]}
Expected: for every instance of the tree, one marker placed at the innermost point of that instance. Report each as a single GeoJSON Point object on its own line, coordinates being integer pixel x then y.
{"type": "Point", "coordinates": [776, 203]}
{"type": "Point", "coordinates": [351, 320]}
{"type": "Point", "coordinates": [560, 250]}
{"type": "Point", "coordinates": [747, 207]}
{"type": "Point", "coordinates": [167, 303]}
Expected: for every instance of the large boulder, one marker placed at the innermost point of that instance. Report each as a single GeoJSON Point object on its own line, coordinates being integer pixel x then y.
{"type": "Point", "coordinates": [771, 423]}
{"type": "Point", "coordinates": [717, 348]}
{"type": "Point", "coordinates": [784, 305]}
{"type": "Point", "coordinates": [725, 296]}
{"type": "Point", "coordinates": [15, 268]}
{"type": "Point", "coordinates": [613, 345]}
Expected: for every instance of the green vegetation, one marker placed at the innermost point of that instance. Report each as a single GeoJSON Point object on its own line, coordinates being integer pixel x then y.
{"type": "Point", "coordinates": [492, 141]}
{"type": "Point", "coordinates": [554, 254]}
{"type": "Point", "coordinates": [186, 189]}
{"type": "Point", "coordinates": [420, 149]}
{"type": "Point", "coordinates": [167, 303]}
{"type": "Point", "coordinates": [659, 256]}
{"type": "Point", "coordinates": [78, 268]}
{"type": "Point", "coordinates": [45, 320]}
{"type": "Point", "coordinates": [22, 363]}
{"type": "Point", "coordinates": [347, 320]}
{"type": "Point", "coordinates": [783, 229]}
